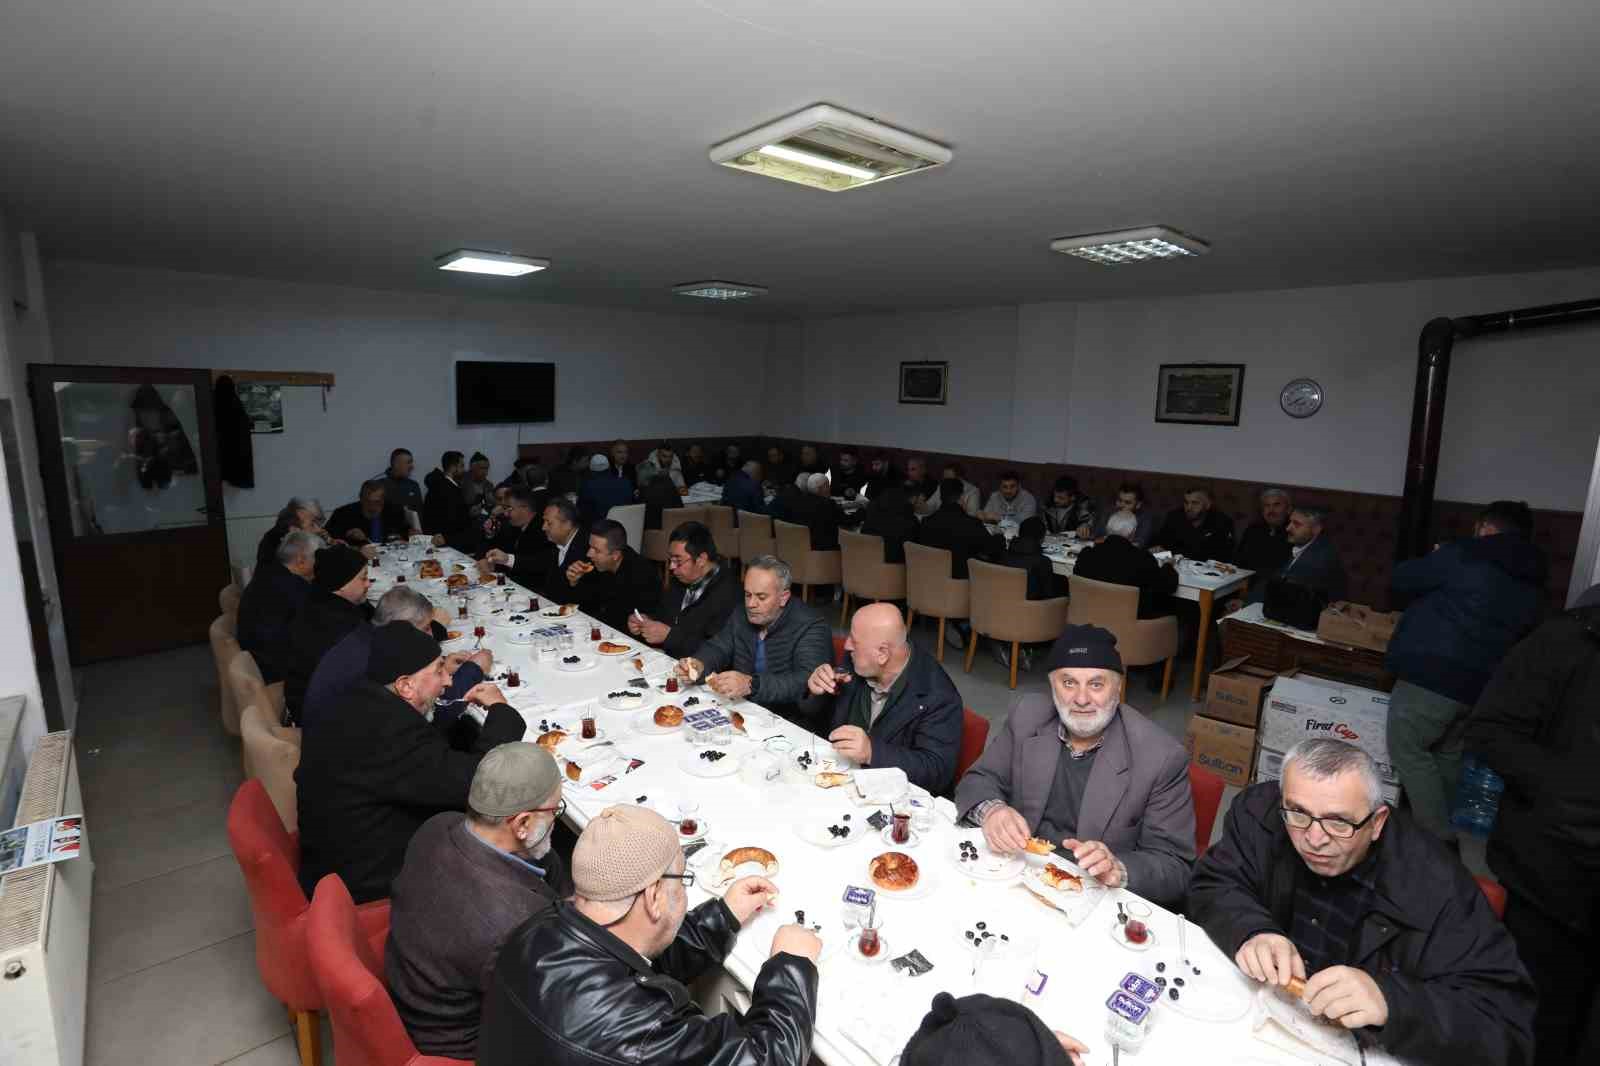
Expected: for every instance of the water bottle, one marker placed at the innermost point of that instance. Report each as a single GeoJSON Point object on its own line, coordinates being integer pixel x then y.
{"type": "Point", "coordinates": [1477, 798]}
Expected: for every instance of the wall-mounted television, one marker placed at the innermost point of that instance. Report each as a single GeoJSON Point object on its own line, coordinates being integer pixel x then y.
{"type": "Point", "coordinates": [505, 392]}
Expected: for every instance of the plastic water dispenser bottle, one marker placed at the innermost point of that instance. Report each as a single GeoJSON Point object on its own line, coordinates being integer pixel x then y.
{"type": "Point", "coordinates": [1477, 798]}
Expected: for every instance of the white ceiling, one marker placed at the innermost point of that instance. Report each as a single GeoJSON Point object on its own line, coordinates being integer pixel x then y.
{"type": "Point", "coordinates": [352, 141]}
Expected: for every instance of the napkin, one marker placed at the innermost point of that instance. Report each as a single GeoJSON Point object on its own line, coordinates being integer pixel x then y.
{"type": "Point", "coordinates": [883, 1033]}
{"type": "Point", "coordinates": [881, 786]}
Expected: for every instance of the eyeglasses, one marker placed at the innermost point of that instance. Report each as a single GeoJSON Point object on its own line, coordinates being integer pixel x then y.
{"type": "Point", "coordinates": [687, 877]}
{"type": "Point", "coordinates": [560, 808]}
{"type": "Point", "coordinates": [1338, 828]}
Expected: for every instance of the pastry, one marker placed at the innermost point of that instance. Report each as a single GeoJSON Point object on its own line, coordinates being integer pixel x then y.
{"type": "Point", "coordinates": [574, 771]}
{"type": "Point", "coordinates": [739, 856]}
{"type": "Point", "coordinates": [1036, 846]}
{"type": "Point", "coordinates": [1297, 987]}
{"type": "Point", "coordinates": [487, 579]}
{"type": "Point", "coordinates": [1059, 879]}
{"type": "Point", "coordinates": [607, 647]}
{"type": "Point", "coordinates": [893, 871]}
{"type": "Point", "coordinates": [548, 741]}
{"type": "Point", "coordinates": [832, 780]}
{"type": "Point", "coordinates": [457, 581]}
{"type": "Point", "coordinates": [453, 634]}
{"type": "Point", "coordinates": [458, 568]}
{"type": "Point", "coordinates": [668, 715]}
{"type": "Point", "coordinates": [637, 663]}
{"type": "Point", "coordinates": [430, 568]}
{"type": "Point", "coordinates": [738, 720]}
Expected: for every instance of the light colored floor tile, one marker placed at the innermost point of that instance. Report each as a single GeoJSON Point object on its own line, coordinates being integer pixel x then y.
{"type": "Point", "coordinates": [114, 796]}
{"type": "Point", "coordinates": [280, 1052]}
{"type": "Point", "coordinates": [151, 921]}
{"type": "Point", "coordinates": [202, 1008]}
{"type": "Point", "coordinates": [155, 844]}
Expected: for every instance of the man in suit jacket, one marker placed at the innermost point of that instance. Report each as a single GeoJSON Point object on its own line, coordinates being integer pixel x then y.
{"type": "Point", "coordinates": [1083, 770]}
{"type": "Point", "coordinates": [893, 706]}
{"type": "Point", "coordinates": [704, 594]}
{"type": "Point", "coordinates": [766, 652]}
{"type": "Point", "coordinates": [445, 512]}
{"type": "Point", "coordinates": [614, 581]}
{"type": "Point", "coordinates": [336, 604]}
{"type": "Point", "coordinates": [372, 519]}
{"type": "Point", "coordinates": [951, 527]}
{"type": "Point", "coordinates": [1117, 561]}
{"type": "Point", "coordinates": [1313, 561]}
{"type": "Point", "coordinates": [273, 598]}
{"type": "Point", "coordinates": [522, 550]}
{"type": "Point", "coordinates": [373, 773]}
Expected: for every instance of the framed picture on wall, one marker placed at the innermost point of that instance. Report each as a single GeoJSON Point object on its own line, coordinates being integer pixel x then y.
{"type": "Point", "coordinates": [924, 382]}
{"type": "Point", "coordinates": [1201, 394]}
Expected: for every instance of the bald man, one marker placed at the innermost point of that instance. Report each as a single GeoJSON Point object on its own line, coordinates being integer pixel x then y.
{"type": "Point", "coordinates": [892, 705]}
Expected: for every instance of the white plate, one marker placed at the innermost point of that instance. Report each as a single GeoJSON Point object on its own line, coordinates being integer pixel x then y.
{"type": "Point", "coordinates": [575, 668]}
{"type": "Point", "coordinates": [890, 842]}
{"type": "Point", "coordinates": [999, 948]}
{"type": "Point", "coordinates": [520, 639]}
{"type": "Point", "coordinates": [577, 742]}
{"type": "Point", "coordinates": [988, 866]}
{"type": "Point", "coordinates": [629, 650]}
{"type": "Point", "coordinates": [613, 705]}
{"type": "Point", "coordinates": [691, 763]}
{"type": "Point", "coordinates": [927, 881]}
{"type": "Point", "coordinates": [514, 621]}
{"type": "Point", "coordinates": [814, 829]}
{"type": "Point", "coordinates": [646, 725]}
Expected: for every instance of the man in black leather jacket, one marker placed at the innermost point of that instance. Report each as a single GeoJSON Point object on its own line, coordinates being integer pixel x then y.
{"type": "Point", "coordinates": [599, 979]}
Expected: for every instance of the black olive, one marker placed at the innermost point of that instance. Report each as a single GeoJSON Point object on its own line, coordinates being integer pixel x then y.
{"type": "Point", "coordinates": [1161, 967]}
{"type": "Point", "coordinates": [1173, 992]}
{"type": "Point", "coordinates": [983, 925]}
{"type": "Point", "coordinates": [1161, 982]}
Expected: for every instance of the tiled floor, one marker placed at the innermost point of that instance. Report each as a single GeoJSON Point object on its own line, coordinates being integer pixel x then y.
{"type": "Point", "coordinates": [172, 977]}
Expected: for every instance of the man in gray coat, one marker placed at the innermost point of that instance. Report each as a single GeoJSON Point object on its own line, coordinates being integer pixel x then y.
{"type": "Point", "coordinates": [766, 652]}
{"type": "Point", "coordinates": [1085, 771]}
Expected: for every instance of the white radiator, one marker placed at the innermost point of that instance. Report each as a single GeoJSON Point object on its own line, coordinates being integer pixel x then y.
{"type": "Point", "coordinates": [44, 926]}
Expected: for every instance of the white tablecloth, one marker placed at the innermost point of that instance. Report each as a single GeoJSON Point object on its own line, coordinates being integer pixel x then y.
{"type": "Point", "coordinates": [1194, 576]}
{"type": "Point", "coordinates": [1083, 964]}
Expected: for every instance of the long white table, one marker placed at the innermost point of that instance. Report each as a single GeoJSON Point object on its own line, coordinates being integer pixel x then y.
{"type": "Point", "coordinates": [1083, 964]}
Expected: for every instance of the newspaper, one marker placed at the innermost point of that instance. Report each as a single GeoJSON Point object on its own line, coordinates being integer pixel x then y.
{"type": "Point", "coordinates": [38, 843]}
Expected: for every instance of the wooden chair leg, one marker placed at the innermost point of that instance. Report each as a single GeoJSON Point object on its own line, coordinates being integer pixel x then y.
{"type": "Point", "coordinates": [972, 646]}
{"type": "Point", "coordinates": [1166, 678]}
{"type": "Point", "coordinates": [939, 644]}
{"type": "Point", "coordinates": [1016, 656]}
{"type": "Point", "coordinates": [308, 1035]}
{"type": "Point", "coordinates": [844, 608]}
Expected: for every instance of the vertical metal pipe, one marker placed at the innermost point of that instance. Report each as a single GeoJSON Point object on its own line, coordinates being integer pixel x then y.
{"type": "Point", "coordinates": [1427, 424]}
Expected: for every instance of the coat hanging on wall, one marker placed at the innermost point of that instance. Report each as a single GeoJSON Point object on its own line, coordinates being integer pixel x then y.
{"type": "Point", "coordinates": [235, 452]}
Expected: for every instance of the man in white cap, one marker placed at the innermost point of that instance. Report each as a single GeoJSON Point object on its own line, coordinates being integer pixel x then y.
{"type": "Point", "coordinates": [599, 979]}
{"type": "Point", "coordinates": [468, 881]}
{"type": "Point", "coordinates": [603, 489]}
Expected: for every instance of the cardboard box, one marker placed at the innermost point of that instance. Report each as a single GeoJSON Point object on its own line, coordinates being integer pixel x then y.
{"type": "Point", "coordinates": [1269, 767]}
{"type": "Point", "coordinates": [1223, 748]}
{"type": "Point", "coordinates": [1301, 708]}
{"type": "Point", "coordinates": [1236, 691]}
{"type": "Point", "coordinates": [1358, 626]}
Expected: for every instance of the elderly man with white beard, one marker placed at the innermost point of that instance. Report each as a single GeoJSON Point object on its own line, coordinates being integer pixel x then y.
{"type": "Point", "coordinates": [1089, 775]}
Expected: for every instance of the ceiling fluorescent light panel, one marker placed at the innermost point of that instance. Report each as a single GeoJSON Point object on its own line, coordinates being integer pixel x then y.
{"type": "Point", "coordinates": [825, 147]}
{"type": "Point", "coordinates": [499, 264]}
{"type": "Point", "coordinates": [719, 290]}
{"type": "Point", "coordinates": [1131, 246]}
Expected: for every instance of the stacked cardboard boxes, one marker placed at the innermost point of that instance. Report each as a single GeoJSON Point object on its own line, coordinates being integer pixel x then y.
{"type": "Point", "coordinates": [1300, 708]}
{"type": "Point", "coordinates": [1222, 735]}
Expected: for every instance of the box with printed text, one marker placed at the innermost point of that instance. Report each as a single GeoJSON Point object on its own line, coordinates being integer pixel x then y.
{"type": "Point", "coordinates": [1303, 708]}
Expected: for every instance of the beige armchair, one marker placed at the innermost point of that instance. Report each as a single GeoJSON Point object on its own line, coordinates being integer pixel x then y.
{"type": "Point", "coordinates": [866, 575]}
{"type": "Point", "coordinates": [224, 649]}
{"type": "Point", "coordinates": [271, 753]}
{"type": "Point", "coordinates": [228, 599]}
{"type": "Point", "coordinates": [244, 677]}
{"type": "Point", "coordinates": [1140, 641]}
{"type": "Point", "coordinates": [808, 567]}
{"type": "Point", "coordinates": [655, 540]}
{"type": "Point", "coordinates": [930, 589]}
{"type": "Point", "coordinates": [755, 536]}
{"type": "Point", "coordinates": [1002, 611]}
{"type": "Point", "coordinates": [719, 518]}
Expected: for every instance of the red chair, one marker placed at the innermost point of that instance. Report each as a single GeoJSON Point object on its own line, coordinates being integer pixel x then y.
{"type": "Point", "coordinates": [1495, 892]}
{"type": "Point", "coordinates": [349, 971]}
{"type": "Point", "coordinates": [269, 856]}
{"type": "Point", "coordinates": [1207, 789]}
{"type": "Point", "coordinates": [974, 734]}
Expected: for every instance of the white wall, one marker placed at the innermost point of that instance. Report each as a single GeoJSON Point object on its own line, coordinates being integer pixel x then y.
{"type": "Point", "coordinates": [1076, 383]}
{"type": "Point", "coordinates": [619, 373]}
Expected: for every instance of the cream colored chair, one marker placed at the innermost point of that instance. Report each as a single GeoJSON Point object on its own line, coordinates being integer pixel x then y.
{"type": "Point", "coordinates": [719, 519]}
{"type": "Point", "coordinates": [807, 567]}
{"type": "Point", "coordinates": [224, 649]}
{"type": "Point", "coordinates": [244, 677]}
{"type": "Point", "coordinates": [271, 753]}
{"type": "Point", "coordinates": [632, 519]}
{"type": "Point", "coordinates": [930, 589]}
{"type": "Point", "coordinates": [866, 575]}
{"type": "Point", "coordinates": [228, 599]}
{"type": "Point", "coordinates": [1140, 641]}
{"type": "Point", "coordinates": [655, 540]}
{"type": "Point", "coordinates": [1002, 611]}
{"type": "Point", "coordinates": [755, 536]}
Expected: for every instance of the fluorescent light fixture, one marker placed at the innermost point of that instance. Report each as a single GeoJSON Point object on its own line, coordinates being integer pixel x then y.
{"type": "Point", "coordinates": [1131, 246]}
{"type": "Point", "coordinates": [828, 148]}
{"type": "Point", "coordinates": [500, 264]}
{"type": "Point", "coordinates": [719, 290]}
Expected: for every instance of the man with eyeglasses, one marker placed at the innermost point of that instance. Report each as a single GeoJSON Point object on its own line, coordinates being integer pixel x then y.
{"type": "Point", "coordinates": [468, 881]}
{"type": "Point", "coordinates": [601, 978]}
{"type": "Point", "coordinates": [704, 594]}
{"type": "Point", "coordinates": [1318, 888]}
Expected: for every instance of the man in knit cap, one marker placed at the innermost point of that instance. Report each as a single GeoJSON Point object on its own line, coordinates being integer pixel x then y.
{"type": "Point", "coordinates": [601, 978]}
{"type": "Point", "coordinates": [336, 604]}
{"type": "Point", "coordinates": [981, 1030]}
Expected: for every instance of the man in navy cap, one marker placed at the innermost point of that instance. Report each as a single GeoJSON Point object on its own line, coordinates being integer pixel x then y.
{"type": "Point", "coordinates": [1091, 775]}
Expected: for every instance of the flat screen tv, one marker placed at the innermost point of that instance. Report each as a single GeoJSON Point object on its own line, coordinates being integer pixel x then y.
{"type": "Point", "coordinates": [505, 392]}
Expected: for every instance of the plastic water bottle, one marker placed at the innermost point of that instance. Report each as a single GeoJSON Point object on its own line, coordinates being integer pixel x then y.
{"type": "Point", "coordinates": [1477, 798]}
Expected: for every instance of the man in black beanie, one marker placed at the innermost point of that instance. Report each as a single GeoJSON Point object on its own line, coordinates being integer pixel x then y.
{"type": "Point", "coordinates": [1090, 775]}
{"type": "Point", "coordinates": [336, 604]}
{"type": "Point", "coordinates": [374, 772]}
{"type": "Point", "coordinates": [981, 1030]}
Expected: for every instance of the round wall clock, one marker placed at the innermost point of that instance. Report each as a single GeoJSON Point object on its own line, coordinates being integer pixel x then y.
{"type": "Point", "coordinates": [1301, 398]}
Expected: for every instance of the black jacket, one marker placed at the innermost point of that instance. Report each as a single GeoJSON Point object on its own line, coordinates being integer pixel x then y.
{"type": "Point", "coordinates": [1457, 992]}
{"type": "Point", "coordinates": [694, 473]}
{"type": "Point", "coordinates": [266, 610]}
{"type": "Point", "coordinates": [566, 992]}
{"type": "Point", "coordinates": [919, 730]}
{"type": "Point", "coordinates": [1024, 554]}
{"type": "Point", "coordinates": [369, 777]}
{"type": "Point", "coordinates": [267, 549]}
{"type": "Point", "coordinates": [1262, 548]}
{"type": "Point", "coordinates": [555, 586]}
{"type": "Point", "coordinates": [964, 536]}
{"type": "Point", "coordinates": [658, 496]}
{"type": "Point", "coordinates": [1537, 725]}
{"type": "Point", "coordinates": [895, 525]}
{"type": "Point", "coordinates": [705, 618]}
{"type": "Point", "coordinates": [235, 449]}
{"type": "Point", "coordinates": [797, 643]}
{"type": "Point", "coordinates": [818, 514]}
{"type": "Point", "coordinates": [531, 553]}
{"type": "Point", "coordinates": [848, 483]}
{"type": "Point", "coordinates": [742, 493]}
{"type": "Point", "coordinates": [1212, 539]}
{"type": "Point", "coordinates": [445, 511]}
{"type": "Point", "coordinates": [322, 621]}
{"type": "Point", "coordinates": [1318, 567]}
{"type": "Point", "coordinates": [1116, 560]}
{"type": "Point", "coordinates": [636, 586]}
{"type": "Point", "coordinates": [392, 522]}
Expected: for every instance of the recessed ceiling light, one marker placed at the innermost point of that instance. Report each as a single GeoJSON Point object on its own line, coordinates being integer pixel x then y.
{"type": "Point", "coordinates": [719, 290]}
{"type": "Point", "coordinates": [501, 264]}
{"type": "Point", "coordinates": [828, 148]}
{"type": "Point", "coordinates": [1131, 245]}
